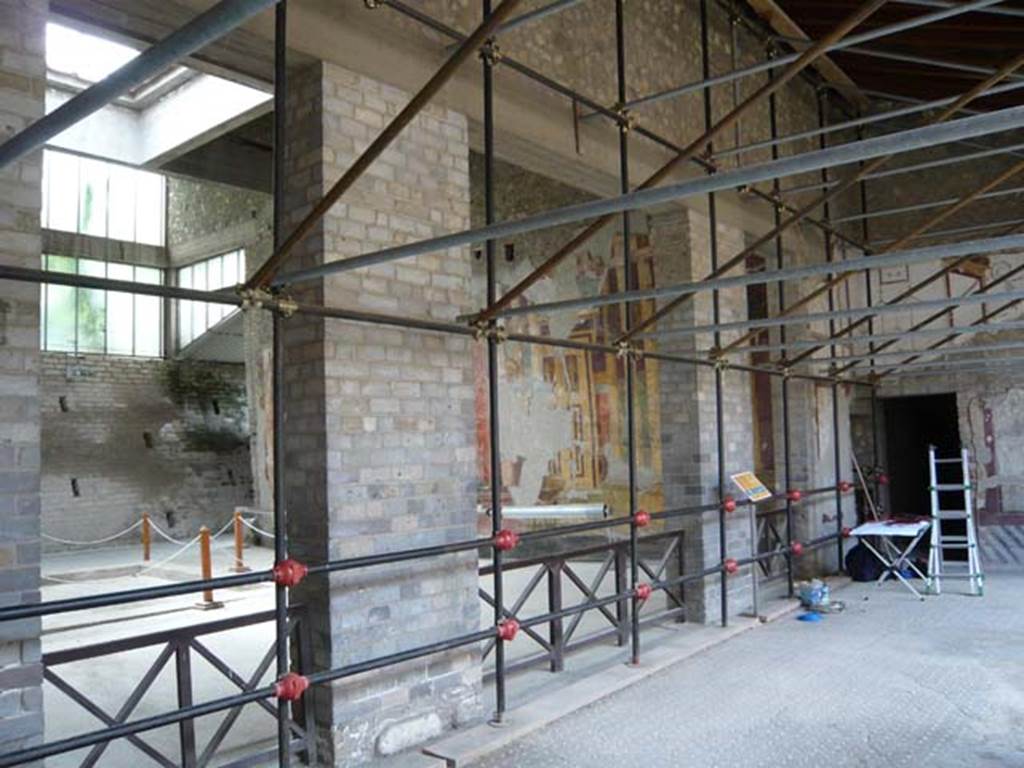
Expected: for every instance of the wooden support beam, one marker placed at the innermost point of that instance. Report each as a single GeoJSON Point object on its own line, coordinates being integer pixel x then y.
{"type": "Point", "coordinates": [780, 21]}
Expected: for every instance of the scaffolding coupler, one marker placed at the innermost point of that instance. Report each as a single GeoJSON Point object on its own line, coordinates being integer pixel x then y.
{"type": "Point", "coordinates": [486, 329]}
{"type": "Point", "coordinates": [627, 120]}
{"type": "Point", "coordinates": [625, 351]}
{"type": "Point", "coordinates": [491, 53]}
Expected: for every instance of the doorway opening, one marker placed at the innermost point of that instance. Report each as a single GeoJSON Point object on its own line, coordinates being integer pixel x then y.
{"type": "Point", "coordinates": [911, 425]}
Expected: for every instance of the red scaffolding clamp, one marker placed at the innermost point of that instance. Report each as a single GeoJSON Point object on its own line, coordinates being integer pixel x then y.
{"type": "Point", "coordinates": [794, 494]}
{"type": "Point", "coordinates": [291, 687]}
{"type": "Point", "coordinates": [731, 566]}
{"type": "Point", "coordinates": [845, 486]}
{"type": "Point", "coordinates": [505, 540]}
{"type": "Point", "coordinates": [508, 629]}
{"type": "Point", "coordinates": [847, 532]}
{"type": "Point", "coordinates": [643, 591]}
{"type": "Point", "coordinates": [288, 573]}
{"type": "Point", "coordinates": [797, 548]}
{"type": "Point", "coordinates": [729, 504]}
{"type": "Point", "coordinates": [642, 518]}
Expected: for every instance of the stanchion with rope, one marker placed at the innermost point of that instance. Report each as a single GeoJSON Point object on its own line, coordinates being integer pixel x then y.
{"type": "Point", "coordinates": [238, 524]}
{"type": "Point", "coordinates": [206, 569]}
{"type": "Point", "coordinates": [147, 538]}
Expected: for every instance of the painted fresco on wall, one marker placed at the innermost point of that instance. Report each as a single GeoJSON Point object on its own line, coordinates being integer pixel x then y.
{"type": "Point", "coordinates": [563, 411]}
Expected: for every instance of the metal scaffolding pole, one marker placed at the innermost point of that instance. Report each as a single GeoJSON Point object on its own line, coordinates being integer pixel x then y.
{"type": "Point", "coordinates": [953, 333]}
{"type": "Point", "coordinates": [982, 347]}
{"type": "Point", "coordinates": [953, 231]}
{"type": "Point", "coordinates": [829, 257]}
{"type": "Point", "coordinates": [939, 366]}
{"type": "Point", "coordinates": [904, 169]}
{"type": "Point", "coordinates": [196, 34]}
{"type": "Point", "coordinates": [277, 425]}
{"type": "Point", "coordinates": [896, 258]}
{"type": "Point", "coordinates": [949, 333]}
{"type": "Point", "coordinates": [848, 182]}
{"type": "Point", "coordinates": [835, 45]}
{"type": "Point", "coordinates": [493, 402]}
{"type": "Point", "coordinates": [580, 99]}
{"type": "Point", "coordinates": [855, 123]}
{"type": "Point", "coordinates": [897, 336]}
{"type": "Point", "coordinates": [628, 365]}
{"type": "Point", "coordinates": [921, 229]}
{"type": "Point", "coordinates": [1015, 365]}
{"type": "Point", "coordinates": [924, 227]}
{"type": "Point", "coordinates": [773, 127]}
{"type": "Point", "coordinates": [261, 279]}
{"type": "Point", "coordinates": [883, 309]}
{"type": "Point", "coordinates": [923, 206]}
{"type": "Point", "coordinates": [689, 152]}
{"type": "Point", "coordinates": [1001, 120]}
{"type": "Point", "coordinates": [947, 4]}
{"type": "Point", "coordinates": [720, 446]}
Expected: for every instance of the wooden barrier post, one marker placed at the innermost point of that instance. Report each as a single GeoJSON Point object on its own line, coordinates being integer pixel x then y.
{"type": "Point", "coordinates": [239, 543]}
{"type": "Point", "coordinates": [147, 538]}
{"type": "Point", "coordinates": [206, 566]}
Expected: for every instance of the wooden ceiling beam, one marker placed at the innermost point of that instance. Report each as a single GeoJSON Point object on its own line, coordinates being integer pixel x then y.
{"type": "Point", "coordinates": [781, 22]}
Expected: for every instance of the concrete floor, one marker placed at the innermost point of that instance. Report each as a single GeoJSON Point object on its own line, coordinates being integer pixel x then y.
{"type": "Point", "coordinates": [892, 681]}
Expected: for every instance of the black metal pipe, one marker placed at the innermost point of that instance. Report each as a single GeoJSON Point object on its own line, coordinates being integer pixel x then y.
{"type": "Point", "coordinates": [837, 458]}
{"type": "Point", "coordinates": [103, 735]}
{"type": "Point", "coordinates": [705, 54]}
{"type": "Point", "coordinates": [627, 309]}
{"type": "Point", "coordinates": [585, 101]}
{"type": "Point", "coordinates": [282, 652]}
{"type": "Point", "coordinates": [123, 597]}
{"type": "Point", "coordinates": [494, 417]}
{"type": "Point", "coordinates": [787, 460]}
{"type": "Point", "coordinates": [399, 556]}
{"type": "Point", "coordinates": [37, 276]}
{"type": "Point", "coordinates": [678, 581]}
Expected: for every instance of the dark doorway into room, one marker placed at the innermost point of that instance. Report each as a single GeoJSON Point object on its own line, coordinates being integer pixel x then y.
{"type": "Point", "coordinates": [911, 425]}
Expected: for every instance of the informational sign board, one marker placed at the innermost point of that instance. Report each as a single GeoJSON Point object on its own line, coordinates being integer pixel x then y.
{"type": "Point", "coordinates": [751, 487]}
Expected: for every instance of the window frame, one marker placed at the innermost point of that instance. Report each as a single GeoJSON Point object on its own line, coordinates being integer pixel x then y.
{"type": "Point", "coordinates": [76, 343]}
{"type": "Point", "coordinates": [186, 305]}
{"type": "Point", "coordinates": [141, 178]}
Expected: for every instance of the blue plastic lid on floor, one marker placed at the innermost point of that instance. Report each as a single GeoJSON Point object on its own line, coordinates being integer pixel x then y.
{"type": "Point", "coordinates": [810, 616]}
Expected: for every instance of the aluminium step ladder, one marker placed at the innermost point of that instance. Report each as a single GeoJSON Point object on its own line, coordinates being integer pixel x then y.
{"type": "Point", "coordinates": [939, 567]}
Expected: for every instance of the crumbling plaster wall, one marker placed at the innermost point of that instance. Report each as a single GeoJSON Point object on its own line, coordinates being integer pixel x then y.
{"type": "Point", "coordinates": [206, 219]}
{"type": "Point", "coordinates": [127, 436]}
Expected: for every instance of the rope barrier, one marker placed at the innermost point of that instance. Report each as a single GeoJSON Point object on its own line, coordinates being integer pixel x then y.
{"type": "Point", "coordinates": [94, 542]}
{"type": "Point", "coordinates": [252, 527]}
{"type": "Point", "coordinates": [166, 535]}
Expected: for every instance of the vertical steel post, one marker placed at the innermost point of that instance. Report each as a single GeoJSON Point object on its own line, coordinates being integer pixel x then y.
{"type": "Point", "coordinates": [837, 458]}
{"type": "Point", "coordinates": [628, 360]}
{"type": "Point", "coordinates": [492, 374]}
{"type": "Point", "coordinates": [734, 44]}
{"type": "Point", "coordinates": [829, 256]}
{"type": "Point", "coordinates": [865, 232]}
{"type": "Point", "coordinates": [705, 51]}
{"type": "Point", "coordinates": [284, 753]}
{"type": "Point", "coordinates": [786, 448]}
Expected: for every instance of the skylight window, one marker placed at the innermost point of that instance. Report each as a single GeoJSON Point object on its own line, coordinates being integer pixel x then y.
{"type": "Point", "coordinates": [82, 56]}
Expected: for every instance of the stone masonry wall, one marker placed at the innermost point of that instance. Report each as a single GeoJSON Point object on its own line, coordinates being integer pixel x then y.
{"type": "Point", "coordinates": [123, 436]}
{"type": "Point", "coordinates": [380, 421]}
{"type": "Point", "coordinates": [22, 81]}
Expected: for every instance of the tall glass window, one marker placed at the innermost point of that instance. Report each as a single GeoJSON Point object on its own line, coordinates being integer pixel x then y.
{"type": "Point", "coordinates": [99, 321]}
{"type": "Point", "coordinates": [91, 197]}
{"type": "Point", "coordinates": [196, 317]}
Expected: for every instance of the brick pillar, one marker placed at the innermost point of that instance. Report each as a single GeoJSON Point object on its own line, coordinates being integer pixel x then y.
{"type": "Point", "coordinates": [22, 83]}
{"type": "Point", "coordinates": [380, 421]}
{"type": "Point", "coordinates": [689, 426]}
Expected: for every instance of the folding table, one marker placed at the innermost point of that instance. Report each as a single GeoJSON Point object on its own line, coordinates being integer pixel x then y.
{"type": "Point", "coordinates": [898, 558]}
